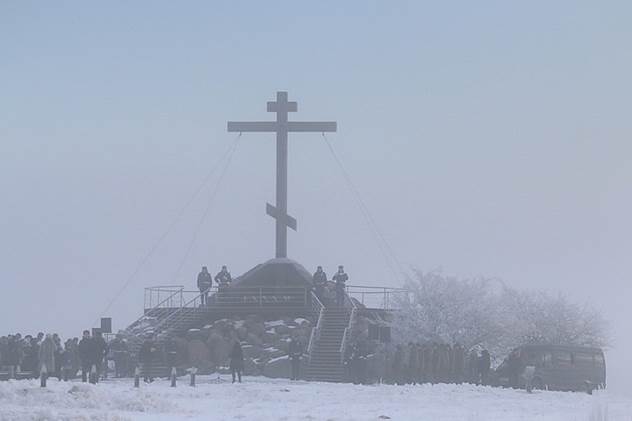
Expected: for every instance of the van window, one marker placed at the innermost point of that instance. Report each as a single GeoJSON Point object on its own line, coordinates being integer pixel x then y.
{"type": "Point", "coordinates": [534, 358]}
{"type": "Point", "coordinates": [584, 359]}
{"type": "Point", "coordinates": [564, 359]}
{"type": "Point", "coordinates": [599, 360]}
{"type": "Point", "coordinates": [547, 360]}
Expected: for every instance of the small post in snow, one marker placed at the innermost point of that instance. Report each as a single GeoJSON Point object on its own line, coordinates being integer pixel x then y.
{"type": "Point", "coordinates": [193, 372]}
{"type": "Point", "coordinates": [43, 375]}
{"type": "Point", "coordinates": [137, 377]}
{"type": "Point", "coordinates": [93, 374]}
{"type": "Point", "coordinates": [173, 376]}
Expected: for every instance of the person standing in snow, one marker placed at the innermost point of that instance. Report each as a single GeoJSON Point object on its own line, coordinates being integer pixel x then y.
{"type": "Point", "coordinates": [340, 278]}
{"type": "Point", "coordinates": [12, 357]}
{"type": "Point", "coordinates": [87, 354]}
{"type": "Point", "coordinates": [120, 355]}
{"type": "Point", "coordinates": [223, 278]}
{"type": "Point", "coordinates": [472, 367]}
{"type": "Point", "coordinates": [458, 363]}
{"type": "Point", "coordinates": [413, 364]}
{"type": "Point", "coordinates": [236, 361]}
{"type": "Point", "coordinates": [47, 353]}
{"type": "Point", "coordinates": [398, 365]}
{"type": "Point", "coordinates": [514, 368]}
{"type": "Point", "coordinates": [204, 283]}
{"type": "Point", "coordinates": [101, 351]}
{"type": "Point", "coordinates": [295, 353]}
{"type": "Point", "coordinates": [146, 357]}
{"type": "Point", "coordinates": [29, 360]}
{"type": "Point", "coordinates": [58, 351]}
{"type": "Point", "coordinates": [484, 365]}
{"type": "Point", "coordinates": [66, 361]}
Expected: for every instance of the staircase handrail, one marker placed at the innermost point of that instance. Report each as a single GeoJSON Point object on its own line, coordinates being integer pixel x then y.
{"type": "Point", "coordinates": [191, 303]}
{"type": "Point", "coordinates": [178, 291]}
{"type": "Point", "coordinates": [347, 332]}
{"type": "Point", "coordinates": [315, 334]}
{"type": "Point", "coordinates": [360, 292]}
{"type": "Point", "coordinates": [174, 289]}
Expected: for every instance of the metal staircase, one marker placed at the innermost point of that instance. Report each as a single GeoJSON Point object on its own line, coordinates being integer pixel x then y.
{"type": "Point", "coordinates": [328, 342]}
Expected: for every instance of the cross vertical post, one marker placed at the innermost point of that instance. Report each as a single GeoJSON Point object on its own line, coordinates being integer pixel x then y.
{"type": "Point", "coordinates": [281, 127]}
{"type": "Point", "coordinates": [282, 107]}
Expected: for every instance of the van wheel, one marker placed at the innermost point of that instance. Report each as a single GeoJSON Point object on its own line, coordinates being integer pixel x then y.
{"type": "Point", "coordinates": [537, 384]}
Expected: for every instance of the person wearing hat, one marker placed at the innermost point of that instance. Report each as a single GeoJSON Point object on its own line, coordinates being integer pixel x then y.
{"type": "Point", "coordinates": [204, 283]}
{"type": "Point", "coordinates": [319, 280]}
{"type": "Point", "coordinates": [223, 278]}
{"type": "Point", "coordinates": [340, 278]}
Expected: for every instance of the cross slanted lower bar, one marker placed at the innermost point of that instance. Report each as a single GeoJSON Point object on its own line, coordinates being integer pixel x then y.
{"type": "Point", "coordinates": [281, 127]}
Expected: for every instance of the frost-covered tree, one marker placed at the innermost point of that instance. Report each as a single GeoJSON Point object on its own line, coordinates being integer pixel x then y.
{"type": "Point", "coordinates": [487, 313]}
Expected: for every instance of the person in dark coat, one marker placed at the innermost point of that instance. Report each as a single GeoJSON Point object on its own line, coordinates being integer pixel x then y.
{"type": "Point", "coordinates": [204, 283]}
{"type": "Point", "coordinates": [472, 367]}
{"type": "Point", "coordinates": [357, 364]}
{"type": "Point", "coordinates": [295, 353]}
{"type": "Point", "coordinates": [412, 364]}
{"type": "Point", "coordinates": [514, 366]}
{"type": "Point", "coordinates": [101, 351]}
{"type": "Point", "coordinates": [171, 352]}
{"type": "Point", "coordinates": [458, 362]}
{"type": "Point", "coordinates": [320, 280]}
{"type": "Point", "coordinates": [66, 361]}
{"type": "Point", "coordinates": [398, 365]}
{"type": "Point", "coordinates": [484, 365]}
{"type": "Point", "coordinates": [58, 351]}
{"type": "Point", "coordinates": [87, 354]}
{"type": "Point", "coordinates": [236, 361]}
{"type": "Point", "coordinates": [223, 278]}
{"type": "Point", "coordinates": [13, 357]}
{"type": "Point", "coordinates": [120, 355]}
{"type": "Point", "coordinates": [146, 357]}
{"type": "Point", "coordinates": [76, 363]}
{"type": "Point", "coordinates": [340, 278]}
{"type": "Point", "coordinates": [29, 360]}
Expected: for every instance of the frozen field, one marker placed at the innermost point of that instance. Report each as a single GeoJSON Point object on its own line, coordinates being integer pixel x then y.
{"type": "Point", "coordinates": [265, 399]}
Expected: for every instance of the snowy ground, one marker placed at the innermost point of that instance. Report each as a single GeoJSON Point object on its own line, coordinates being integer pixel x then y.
{"type": "Point", "coordinates": [265, 399]}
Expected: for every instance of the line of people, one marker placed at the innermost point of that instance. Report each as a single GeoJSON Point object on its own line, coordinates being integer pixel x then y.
{"type": "Point", "coordinates": [438, 363]}
{"type": "Point", "coordinates": [30, 356]}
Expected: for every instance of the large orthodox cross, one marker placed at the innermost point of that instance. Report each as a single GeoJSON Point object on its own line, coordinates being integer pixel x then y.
{"type": "Point", "coordinates": [281, 127]}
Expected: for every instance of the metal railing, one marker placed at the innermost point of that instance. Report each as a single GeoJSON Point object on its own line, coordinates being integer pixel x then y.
{"type": "Point", "coordinates": [263, 297]}
{"type": "Point", "coordinates": [317, 308]}
{"type": "Point", "coordinates": [175, 296]}
{"type": "Point", "coordinates": [384, 298]}
{"type": "Point", "coordinates": [227, 298]}
{"type": "Point", "coordinates": [167, 296]}
{"type": "Point", "coordinates": [347, 332]}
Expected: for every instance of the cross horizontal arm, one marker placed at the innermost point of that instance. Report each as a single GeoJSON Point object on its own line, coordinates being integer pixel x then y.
{"type": "Point", "coordinates": [311, 126]}
{"type": "Point", "coordinates": [252, 126]}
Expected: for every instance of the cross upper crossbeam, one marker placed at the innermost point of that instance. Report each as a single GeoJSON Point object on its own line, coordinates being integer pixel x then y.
{"type": "Point", "coordinates": [281, 127]}
{"type": "Point", "coordinates": [290, 126]}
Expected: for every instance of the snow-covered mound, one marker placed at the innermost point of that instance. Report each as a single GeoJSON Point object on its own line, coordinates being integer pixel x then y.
{"type": "Point", "coordinates": [265, 399]}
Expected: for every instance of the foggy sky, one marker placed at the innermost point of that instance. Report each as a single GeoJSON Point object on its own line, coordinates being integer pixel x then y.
{"type": "Point", "coordinates": [488, 138]}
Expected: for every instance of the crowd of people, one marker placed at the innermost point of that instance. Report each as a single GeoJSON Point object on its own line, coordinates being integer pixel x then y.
{"type": "Point", "coordinates": [417, 363]}
{"type": "Point", "coordinates": [32, 356]}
